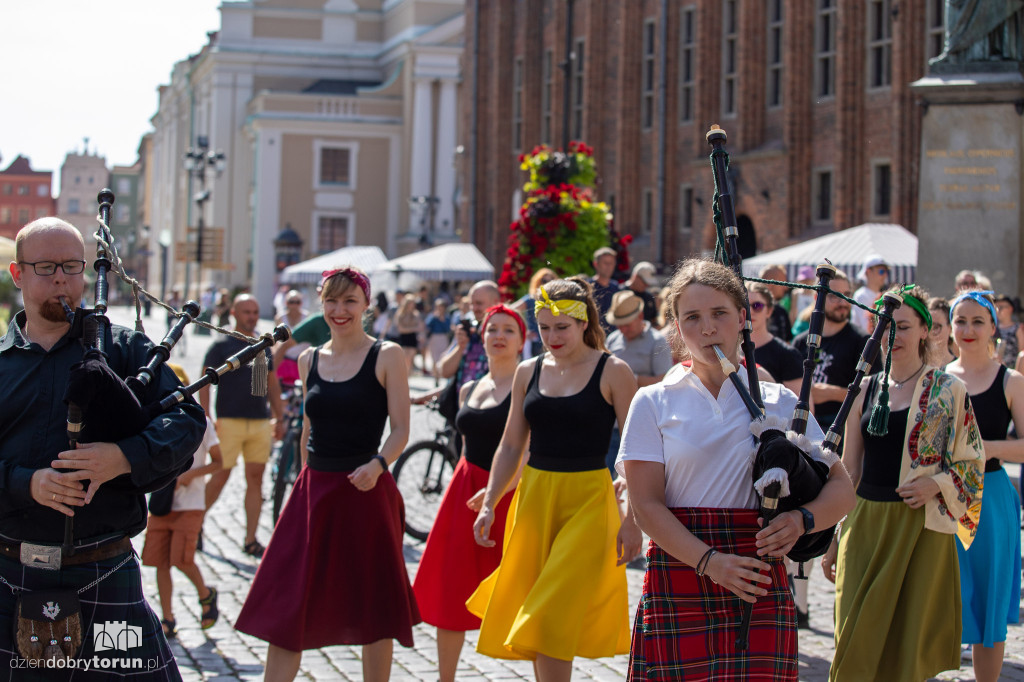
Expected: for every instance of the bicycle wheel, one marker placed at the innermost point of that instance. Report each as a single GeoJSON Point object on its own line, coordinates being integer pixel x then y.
{"type": "Point", "coordinates": [286, 464]}
{"type": "Point", "coordinates": [422, 473]}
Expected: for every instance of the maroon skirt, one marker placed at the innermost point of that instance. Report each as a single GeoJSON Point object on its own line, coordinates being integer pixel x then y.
{"type": "Point", "coordinates": [333, 572]}
{"type": "Point", "coordinates": [453, 565]}
{"type": "Point", "coordinates": [686, 625]}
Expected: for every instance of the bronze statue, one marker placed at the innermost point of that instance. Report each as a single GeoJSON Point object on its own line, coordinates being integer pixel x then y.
{"type": "Point", "coordinates": [980, 32]}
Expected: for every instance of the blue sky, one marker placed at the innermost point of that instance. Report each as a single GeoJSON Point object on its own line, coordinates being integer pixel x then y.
{"type": "Point", "coordinates": [77, 68]}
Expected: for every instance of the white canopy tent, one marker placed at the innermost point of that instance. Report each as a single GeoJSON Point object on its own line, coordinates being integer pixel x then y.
{"type": "Point", "coordinates": [308, 273]}
{"type": "Point", "coordinates": [455, 261]}
{"type": "Point", "coordinates": [847, 250]}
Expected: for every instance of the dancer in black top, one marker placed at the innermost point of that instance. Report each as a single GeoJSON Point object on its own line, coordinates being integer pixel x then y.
{"type": "Point", "coordinates": [453, 565]}
{"type": "Point", "coordinates": [334, 571]}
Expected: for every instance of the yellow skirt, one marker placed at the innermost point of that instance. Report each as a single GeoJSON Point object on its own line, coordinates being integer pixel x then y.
{"type": "Point", "coordinates": [557, 591]}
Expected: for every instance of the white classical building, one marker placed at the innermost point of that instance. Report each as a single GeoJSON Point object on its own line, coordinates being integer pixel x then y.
{"type": "Point", "coordinates": [336, 117]}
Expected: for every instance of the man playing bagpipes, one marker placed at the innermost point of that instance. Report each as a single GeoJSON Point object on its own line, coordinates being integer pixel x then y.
{"type": "Point", "coordinates": [79, 605]}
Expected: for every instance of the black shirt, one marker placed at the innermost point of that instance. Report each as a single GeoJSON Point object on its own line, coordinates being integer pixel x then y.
{"type": "Point", "coordinates": [837, 363]}
{"type": "Point", "coordinates": [778, 323]}
{"type": "Point", "coordinates": [234, 392]}
{"type": "Point", "coordinates": [603, 299]}
{"type": "Point", "coordinates": [781, 360]}
{"type": "Point", "coordinates": [33, 431]}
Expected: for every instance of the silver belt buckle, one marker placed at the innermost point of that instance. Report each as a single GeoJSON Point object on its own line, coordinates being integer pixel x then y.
{"type": "Point", "coordinates": [46, 557]}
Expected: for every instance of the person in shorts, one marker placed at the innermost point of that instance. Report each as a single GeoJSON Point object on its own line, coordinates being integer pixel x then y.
{"type": "Point", "coordinates": [171, 538]}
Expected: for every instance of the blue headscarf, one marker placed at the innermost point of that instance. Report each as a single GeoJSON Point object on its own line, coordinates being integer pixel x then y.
{"type": "Point", "coordinates": [979, 297]}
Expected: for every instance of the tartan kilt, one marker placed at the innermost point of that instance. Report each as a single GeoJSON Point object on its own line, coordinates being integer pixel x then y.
{"type": "Point", "coordinates": [118, 600]}
{"type": "Point", "coordinates": [686, 626]}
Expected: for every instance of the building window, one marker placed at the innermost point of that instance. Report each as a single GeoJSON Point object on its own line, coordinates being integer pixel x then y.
{"type": "Point", "coordinates": [43, 190]}
{"type": "Point", "coordinates": [825, 49]}
{"type": "Point", "coordinates": [122, 213]}
{"type": "Point", "coordinates": [331, 233]}
{"type": "Point", "coordinates": [40, 213]}
{"type": "Point", "coordinates": [545, 98]}
{"type": "Point", "coordinates": [23, 215]}
{"type": "Point", "coordinates": [5, 215]}
{"type": "Point", "coordinates": [685, 208]}
{"type": "Point", "coordinates": [577, 90]}
{"type": "Point", "coordinates": [729, 57]}
{"type": "Point", "coordinates": [8, 188]}
{"type": "Point", "coordinates": [124, 186]}
{"type": "Point", "coordinates": [647, 77]}
{"type": "Point", "coordinates": [881, 182]}
{"type": "Point", "coordinates": [648, 222]}
{"type": "Point", "coordinates": [879, 44]}
{"type": "Point", "coordinates": [821, 196]}
{"type": "Point", "coordinates": [72, 206]}
{"type": "Point", "coordinates": [935, 38]}
{"type": "Point", "coordinates": [774, 53]}
{"type": "Point", "coordinates": [334, 166]}
{"type": "Point", "coordinates": [687, 63]}
{"type": "Point", "coordinates": [22, 190]}
{"type": "Point", "coordinates": [517, 104]}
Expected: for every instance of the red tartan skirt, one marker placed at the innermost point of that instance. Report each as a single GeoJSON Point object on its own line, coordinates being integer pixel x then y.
{"type": "Point", "coordinates": [453, 565]}
{"type": "Point", "coordinates": [686, 626]}
{"type": "Point", "coordinates": [334, 572]}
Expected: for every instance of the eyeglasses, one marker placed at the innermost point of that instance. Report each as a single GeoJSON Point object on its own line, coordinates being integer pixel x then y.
{"type": "Point", "coordinates": [758, 305]}
{"type": "Point", "coordinates": [45, 268]}
{"type": "Point", "coordinates": [294, 302]}
{"type": "Point", "coordinates": [881, 269]}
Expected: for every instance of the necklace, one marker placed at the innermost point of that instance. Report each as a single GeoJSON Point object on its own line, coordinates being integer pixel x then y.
{"type": "Point", "coordinates": [900, 384]}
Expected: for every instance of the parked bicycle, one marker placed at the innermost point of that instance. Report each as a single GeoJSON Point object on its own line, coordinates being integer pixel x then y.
{"type": "Point", "coordinates": [286, 458]}
{"type": "Point", "coordinates": [422, 473]}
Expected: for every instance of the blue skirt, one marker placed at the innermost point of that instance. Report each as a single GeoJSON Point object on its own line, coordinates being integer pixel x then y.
{"type": "Point", "coordinates": [990, 569]}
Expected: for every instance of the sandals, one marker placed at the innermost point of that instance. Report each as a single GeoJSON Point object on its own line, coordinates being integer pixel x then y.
{"type": "Point", "coordinates": [170, 628]}
{"type": "Point", "coordinates": [210, 611]}
{"type": "Point", "coordinates": [254, 549]}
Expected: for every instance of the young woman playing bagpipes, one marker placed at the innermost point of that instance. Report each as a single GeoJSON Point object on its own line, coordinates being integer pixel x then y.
{"type": "Point", "coordinates": [560, 591]}
{"type": "Point", "coordinates": [453, 565]}
{"type": "Point", "coordinates": [919, 483]}
{"type": "Point", "coordinates": [686, 454]}
{"type": "Point", "coordinates": [990, 569]}
{"type": "Point", "coordinates": [333, 572]}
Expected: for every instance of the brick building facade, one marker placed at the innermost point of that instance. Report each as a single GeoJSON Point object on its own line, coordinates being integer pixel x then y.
{"type": "Point", "coordinates": [25, 195]}
{"type": "Point", "coordinates": [814, 94]}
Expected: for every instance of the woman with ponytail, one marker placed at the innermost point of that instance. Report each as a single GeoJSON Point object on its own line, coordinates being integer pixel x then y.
{"type": "Point", "coordinates": [560, 591]}
{"type": "Point", "coordinates": [919, 479]}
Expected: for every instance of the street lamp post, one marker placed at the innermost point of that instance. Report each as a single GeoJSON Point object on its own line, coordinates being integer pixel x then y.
{"type": "Point", "coordinates": [425, 207]}
{"type": "Point", "coordinates": [198, 160]}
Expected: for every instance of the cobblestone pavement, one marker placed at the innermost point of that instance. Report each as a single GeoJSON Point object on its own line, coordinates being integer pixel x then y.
{"type": "Point", "coordinates": [221, 653]}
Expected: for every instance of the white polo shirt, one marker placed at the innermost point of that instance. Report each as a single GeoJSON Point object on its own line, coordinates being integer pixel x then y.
{"type": "Point", "coordinates": [705, 443]}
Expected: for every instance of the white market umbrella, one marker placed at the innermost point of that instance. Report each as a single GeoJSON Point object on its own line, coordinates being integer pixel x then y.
{"type": "Point", "coordinates": [366, 258]}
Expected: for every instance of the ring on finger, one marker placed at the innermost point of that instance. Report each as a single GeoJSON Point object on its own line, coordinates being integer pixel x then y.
{"type": "Point", "coordinates": [55, 497]}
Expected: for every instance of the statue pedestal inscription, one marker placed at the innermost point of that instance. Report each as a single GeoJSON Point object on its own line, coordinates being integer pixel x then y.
{"type": "Point", "coordinates": [970, 179]}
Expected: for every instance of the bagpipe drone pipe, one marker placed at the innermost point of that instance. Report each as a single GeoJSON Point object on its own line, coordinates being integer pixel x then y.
{"type": "Point", "coordinates": [789, 470]}
{"type": "Point", "coordinates": [103, 407]}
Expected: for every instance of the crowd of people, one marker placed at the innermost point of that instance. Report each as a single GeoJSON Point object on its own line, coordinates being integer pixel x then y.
{"type": "Point", "coordinates": [542, 514]}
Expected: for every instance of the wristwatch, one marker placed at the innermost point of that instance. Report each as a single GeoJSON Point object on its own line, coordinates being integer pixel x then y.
{"type": "Point", "coordinates": [808, 519]}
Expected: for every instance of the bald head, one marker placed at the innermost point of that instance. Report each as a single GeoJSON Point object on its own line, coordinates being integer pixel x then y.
{"type": "Point", "coordinates": [45, 227]}
{"type": "Point", "coordinates": [482, 296]}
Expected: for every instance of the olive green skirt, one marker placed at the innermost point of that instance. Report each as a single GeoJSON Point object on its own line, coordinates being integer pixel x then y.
{"type": "Point", "coordinates": [897, 597]}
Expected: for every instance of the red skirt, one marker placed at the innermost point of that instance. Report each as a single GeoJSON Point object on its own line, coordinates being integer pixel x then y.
{"type": "Point", "coordinates": [453, 565]}
{"type": "Point", "coordinates": [686, 626]}
{"type": "Point", "coordinates": [333, 572]}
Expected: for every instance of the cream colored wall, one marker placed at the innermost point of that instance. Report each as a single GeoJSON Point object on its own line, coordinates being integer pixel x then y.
{"type": "Point", "coordinates": [292, 29]}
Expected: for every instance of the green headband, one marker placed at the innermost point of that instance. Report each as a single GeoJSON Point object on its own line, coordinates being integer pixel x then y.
{"type": "Point", "coordinates": [914, 302]}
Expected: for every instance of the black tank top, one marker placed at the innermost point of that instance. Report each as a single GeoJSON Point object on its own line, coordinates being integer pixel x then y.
{"type": "Point", "coordinates": [482, 429]}
{"type": "Point", "coordinates": [993, 414]}
{"type": "Point", "coordinates": [569, 433]}
{"type": "Point", "coordinates": [883, 455]}
{"type": "Point", "coordinates": [346, 418]}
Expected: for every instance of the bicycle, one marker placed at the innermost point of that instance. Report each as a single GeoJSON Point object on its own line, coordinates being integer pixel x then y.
{"type": "Point", "coordinates": [422, 473]}
{"type": "Point", "coordinates": [286, 456]}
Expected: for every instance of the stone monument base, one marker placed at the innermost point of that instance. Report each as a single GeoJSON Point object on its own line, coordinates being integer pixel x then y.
{"type": "Point", "coordinates": [969, 213]}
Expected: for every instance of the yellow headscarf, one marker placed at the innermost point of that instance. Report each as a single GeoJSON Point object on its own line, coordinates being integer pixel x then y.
{"type": "Point", "coordinates": [577, 309]}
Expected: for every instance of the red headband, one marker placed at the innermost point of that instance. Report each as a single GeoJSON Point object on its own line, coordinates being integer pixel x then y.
{"type": "Point", "coordinates": [504, 310]}
{"type": "Point", "coordinates": [354, 275]}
